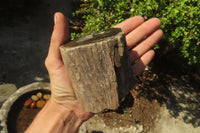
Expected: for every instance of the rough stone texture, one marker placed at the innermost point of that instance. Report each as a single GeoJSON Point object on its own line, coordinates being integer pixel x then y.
{"type": "Point", "coordinates": [12, 98]}
{"type": "Point", "coordinates": [97, 125]}
{"type": "Point", "coordinates": [99, 68]}
{"type": "Point", "coordinates": [5, 91]}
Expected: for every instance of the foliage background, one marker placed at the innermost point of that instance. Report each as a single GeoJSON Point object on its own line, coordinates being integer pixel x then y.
{"type": "Point", "coordinates": [180, 21]}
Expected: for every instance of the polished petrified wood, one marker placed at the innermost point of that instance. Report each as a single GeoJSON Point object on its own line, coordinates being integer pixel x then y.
{"type": "Point", "coordinates": [99, 68]}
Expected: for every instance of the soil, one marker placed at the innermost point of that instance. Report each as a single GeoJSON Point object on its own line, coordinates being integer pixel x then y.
{"type": "Point", "coordinates": [25, 118]}
{"type": "Point", "coordinates": [141, 106]}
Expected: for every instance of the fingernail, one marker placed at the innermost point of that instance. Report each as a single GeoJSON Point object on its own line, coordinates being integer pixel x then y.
{"type": "Point", "coordinates": [55, 18]}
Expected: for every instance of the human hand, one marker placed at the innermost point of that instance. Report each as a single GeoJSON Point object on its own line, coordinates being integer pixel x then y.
{"type": "Point", "coordinates": [140, 49]}
{"type": "Point", "coordinates": [63, 113]}
{"type": "Point", "coordinates": [135, 30]}
{"type": "Point", "coordinates": [61, 87]}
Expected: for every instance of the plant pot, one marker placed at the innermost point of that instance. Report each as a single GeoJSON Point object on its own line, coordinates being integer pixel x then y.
{"type": "Point", "coordinates": [15, 118]}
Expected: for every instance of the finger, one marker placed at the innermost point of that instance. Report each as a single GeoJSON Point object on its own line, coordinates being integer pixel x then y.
{"type": "Point", "coordinates": [139, 66]}
{"type": "Point", "coordinates": [130, 24]}
{"type": "Point", "coordinates": [142, 31]}
{"type": "Point", "coordinates": [59, 36]}
{"type": "Point", "coordinates": [145, 45]}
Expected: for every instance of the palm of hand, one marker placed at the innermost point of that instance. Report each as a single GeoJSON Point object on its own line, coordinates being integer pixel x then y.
{"type": "Point", "coordinates": [135, 30]}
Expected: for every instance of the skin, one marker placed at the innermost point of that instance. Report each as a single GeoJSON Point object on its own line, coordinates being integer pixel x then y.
{"type": "Point", "coordinates": [63, 113]}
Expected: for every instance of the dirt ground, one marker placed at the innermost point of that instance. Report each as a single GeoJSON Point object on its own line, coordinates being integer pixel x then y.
{"type": "Point", "coordinates": [141, 106]}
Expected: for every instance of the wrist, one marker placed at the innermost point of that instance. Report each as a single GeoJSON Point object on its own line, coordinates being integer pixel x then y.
{"type": "Point", "coordinates": [56, 118]}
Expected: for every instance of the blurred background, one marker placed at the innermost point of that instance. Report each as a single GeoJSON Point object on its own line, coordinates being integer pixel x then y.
{"type": "Point", "coordinates": [25, 31]}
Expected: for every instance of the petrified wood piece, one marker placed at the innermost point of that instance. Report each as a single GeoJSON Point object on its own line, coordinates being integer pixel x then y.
{"type": "Point", "coordinates": [99, 69]}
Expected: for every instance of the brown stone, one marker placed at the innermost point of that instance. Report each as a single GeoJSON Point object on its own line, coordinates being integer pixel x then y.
{"type": "Point", "coordinates": [99, 68]}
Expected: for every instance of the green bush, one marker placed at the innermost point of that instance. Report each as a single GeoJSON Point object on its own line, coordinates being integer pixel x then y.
{"type": "Point", "coordinates": [180, 20]}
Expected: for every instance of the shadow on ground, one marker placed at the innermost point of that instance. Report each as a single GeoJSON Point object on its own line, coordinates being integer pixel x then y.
{"type": "Point", "coordinates": [184, 100]}
{"type": "Point", "coordinates": [181, 85]}
{"type": "Point", "coordinates": [181, 94]}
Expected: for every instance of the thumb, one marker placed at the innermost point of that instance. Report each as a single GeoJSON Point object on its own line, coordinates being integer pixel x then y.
{"type": "Point", "coordinates": [59, 36]}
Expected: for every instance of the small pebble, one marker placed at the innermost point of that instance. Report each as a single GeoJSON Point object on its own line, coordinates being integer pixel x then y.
{"type": "Point", "coordinates": [40, 103]}
{"type": "Point", "coordinates": [37, 101]}
{"type": "Point", "coordinates": [33, 104]}
{"type": "Point", "coordinates": [28, 103]}
{"type": "Point", "coordinates": [34, 98]}
{"type": "Point", "coordinates": [39, 95]}
{"type": "Point", "coordinates": [47, 96]}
